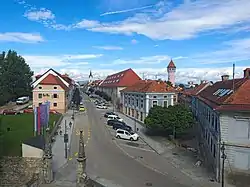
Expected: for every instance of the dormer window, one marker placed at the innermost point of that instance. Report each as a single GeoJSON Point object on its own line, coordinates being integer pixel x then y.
{"type": "Point", "coordinates": [39, 87]}
{"type": "Point", "coordinates": [55, 87]}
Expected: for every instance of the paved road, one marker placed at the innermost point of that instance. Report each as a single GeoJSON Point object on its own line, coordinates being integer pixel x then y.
{"type": "Point", "coordinates": [109, 160]}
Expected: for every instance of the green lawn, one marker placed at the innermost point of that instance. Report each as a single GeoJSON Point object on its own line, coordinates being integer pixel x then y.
{"type": "Point", "coordinates": [21, 128]}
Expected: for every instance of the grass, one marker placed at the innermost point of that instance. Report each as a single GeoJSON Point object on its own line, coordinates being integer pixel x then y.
{"type": "Point", "coordinates": [21, 128]}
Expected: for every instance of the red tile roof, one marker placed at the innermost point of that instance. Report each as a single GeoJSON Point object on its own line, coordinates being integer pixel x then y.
{"type": "Point", "coordinates": [220, 96]}
{"type": "Point", "coordinates": [122, 79]}
{"type": "Point", "coordinates": [171, 64]}
{"type": "Point", "coordinates": [65, 77]}
{"type": "Point", "coordinates": [196, 90]}
{"type": "Point", "coordinates": [149, 86]}
{"type": "Point", "coordinates": [53, 80]}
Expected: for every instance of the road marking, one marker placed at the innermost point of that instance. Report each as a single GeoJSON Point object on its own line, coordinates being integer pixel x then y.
{"type": "Point", "coordinates": [140, 148]}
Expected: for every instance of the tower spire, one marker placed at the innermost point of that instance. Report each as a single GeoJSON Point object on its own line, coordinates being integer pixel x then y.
{"type": "Point", "coordinates": [171, 72]}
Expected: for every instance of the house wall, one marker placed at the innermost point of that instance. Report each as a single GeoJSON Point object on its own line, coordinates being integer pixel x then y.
{"type": "Point", "coordinates": [137, 104]}
{"type": "Point", "coordinates": [235, 132]}
{"type": "Point", "coordinates": [31, 152]}
{"type": "Point", "coordinates": [215, 128]}
{"type": "Point", "coordinates": [47, 91]}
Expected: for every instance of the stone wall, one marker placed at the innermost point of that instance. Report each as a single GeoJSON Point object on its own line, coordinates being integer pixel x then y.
{"type": "Point", "coordinates": [18, 171]}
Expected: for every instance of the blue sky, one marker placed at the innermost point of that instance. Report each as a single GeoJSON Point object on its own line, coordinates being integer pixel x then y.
{"type": "Point", "coordinates": [203, 37]}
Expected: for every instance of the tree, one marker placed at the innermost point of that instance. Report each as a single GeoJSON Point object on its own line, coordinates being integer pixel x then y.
{"type": "Point", "coordinates": [76, 97]}
{"type": "Point", "coordinates": [91, 90]}
{"type": "Point", "coordinates": [181, 85]}
{"type": "Point", "coordinates": [169, 83]}
{"type": "Point", "coordinates": [172, 120]}
{"type": "Point", "coordinates": [16, 77]}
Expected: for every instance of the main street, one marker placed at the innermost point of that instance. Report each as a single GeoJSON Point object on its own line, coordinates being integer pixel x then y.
{"type": "Point", "coordinates": [106, 161]}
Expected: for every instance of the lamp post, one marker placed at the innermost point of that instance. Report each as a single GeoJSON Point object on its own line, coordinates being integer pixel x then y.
{"type": "Point", "coordinates": [223, 156]}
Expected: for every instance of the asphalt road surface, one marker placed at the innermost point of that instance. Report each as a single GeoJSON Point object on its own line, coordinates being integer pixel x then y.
{"type": "Point", "coordinates": [106, 161]}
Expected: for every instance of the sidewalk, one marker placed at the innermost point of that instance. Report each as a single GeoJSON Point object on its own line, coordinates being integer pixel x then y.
{"type": "Point", "coordinates": [180, 159]}
{"type": "Point", "coordinates": [58, 147]}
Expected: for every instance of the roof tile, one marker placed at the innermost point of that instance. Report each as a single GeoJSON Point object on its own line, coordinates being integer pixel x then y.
{"type": "Point", "coordinates": [149, 86]}
{"type": "Point", "coordinates": [122, 79]}
{"type": "Point", "coordinates": [220, 96]}
{"type": "Point", "coordinates": [53, 80]}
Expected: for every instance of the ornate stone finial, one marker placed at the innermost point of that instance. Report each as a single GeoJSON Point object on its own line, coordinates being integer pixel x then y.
{"type": "Point", "coordinates": [81, 153]}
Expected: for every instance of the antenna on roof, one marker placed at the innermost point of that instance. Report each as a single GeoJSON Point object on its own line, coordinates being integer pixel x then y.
{"type": "Point", "coordinates": [233, 76]}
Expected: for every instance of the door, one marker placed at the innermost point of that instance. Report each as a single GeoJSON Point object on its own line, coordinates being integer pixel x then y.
{"type": "Point", "coordinates": [127, 135]}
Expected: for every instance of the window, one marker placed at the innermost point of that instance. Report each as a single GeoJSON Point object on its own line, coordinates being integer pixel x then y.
{"type": "Point", "coordinates": [40, 95]}
{"type": "Point", "coordinates": [214, 151]}
{"type": "Point", "coordinates": [55, 87]}
{"type": "Point", "coordinates": [154, 96]}
{"type": "Point", "coordinates": [127, 133]}
{"type": "Point", "coordinates": [165, 96]}
{"type": "Point", "coordinates": [141, 103]}
{"type": "Point", "coordinates": [55, 104]}
{"type": "Point", "coordinates": [175, 98]}
{"type": "Point", "coordinates": [39, 87]}
{"type": "Point", "coordinates": [55, 96]}
{"type": "Point", "coordinates": [120, 132]}
{"type": "Point", "coordinates": [165, 103]}
{"type": "Point", "coordinates": [137, 102]}
{"type": "Point", "coordinates": [155, 103]}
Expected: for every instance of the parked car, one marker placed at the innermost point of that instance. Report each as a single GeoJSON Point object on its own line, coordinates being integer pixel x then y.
{"type": "Point", "coordinates": [114, 117]}
{"type": "Point", "coordinates": [117, 125]}
{"type": "Point", "coordinates": [10, 112]}
{"type": "Point", "coordinates": [112, 121]}
{"type": "Point", "coordinates": [22, 100]}
{"type": "Point", "coordinates": [101, 107]}
{"type": "Point", "coordinates": [82, 109]}
{"type": "Point", "coordinates": [123, 134]}
{"type": "Point", "coordinates": [109, 113]}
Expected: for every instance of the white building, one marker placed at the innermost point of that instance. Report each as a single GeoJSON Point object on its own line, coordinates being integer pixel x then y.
{"type": "Point", "coordinates": [114, 83]}
{"type": "Point", "coordinates": [223, 113]}
{"type": "Point", "coordinates": [140, 97]}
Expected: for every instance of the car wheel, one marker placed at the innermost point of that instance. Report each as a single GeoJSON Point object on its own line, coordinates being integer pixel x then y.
{"type": "Point", "coordinates": [118, 137]}
{"type": "Point", "coordinates": [131, 139]}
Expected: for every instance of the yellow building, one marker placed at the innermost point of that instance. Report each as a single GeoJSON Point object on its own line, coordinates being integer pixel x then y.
{"type": "Point", "coordinates": [53, 87]}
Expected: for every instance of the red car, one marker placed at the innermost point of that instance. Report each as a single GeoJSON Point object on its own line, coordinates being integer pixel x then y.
{"type": "Point", "coordinates": [10, 112]}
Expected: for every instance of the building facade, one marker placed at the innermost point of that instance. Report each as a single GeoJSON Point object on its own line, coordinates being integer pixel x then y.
{"type": "Point", "coordinates": [113, 84]}
{"type": "Point", "coordinates": [143, 95]}
{"type": "Point", "coordinates": [55, 88]}
{"type": "Point", "coordinates": [223, 113]}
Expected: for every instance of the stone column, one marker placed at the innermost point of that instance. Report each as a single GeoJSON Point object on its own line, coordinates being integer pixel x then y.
{"type": "Point", "coordinates": [47, 162]}
{"type": "Point", "coordinates": [82, 179]}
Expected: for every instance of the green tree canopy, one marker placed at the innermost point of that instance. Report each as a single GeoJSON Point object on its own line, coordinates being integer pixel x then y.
{"type": "Point", "coordinates": [16, 77]}
{"type": "Point", "coordinates": [177, 119]}
{"type": "Point", "coordinates": [181, 85]}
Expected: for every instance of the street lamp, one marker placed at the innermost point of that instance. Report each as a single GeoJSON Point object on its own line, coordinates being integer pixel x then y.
{"type": "Point", "coordinates": [223, 156]}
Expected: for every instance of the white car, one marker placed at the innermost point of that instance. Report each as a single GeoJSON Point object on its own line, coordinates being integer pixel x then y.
{"type": "Point", "coordinates": [101, 107]}
{"type": "Point", "coordinates": [114, 117]}
{"type": "Point", "coordinates": [123, 134]}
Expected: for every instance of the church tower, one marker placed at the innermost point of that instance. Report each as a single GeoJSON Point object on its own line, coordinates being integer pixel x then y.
{"type": "Point", "coordinates": [171, 72]}
{"type": "Point", "coordinates": [90, 76]}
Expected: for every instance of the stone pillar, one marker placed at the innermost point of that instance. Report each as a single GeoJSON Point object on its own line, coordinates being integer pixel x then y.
{"type": "Point", "coordinates": [47, 162]}
{"type": "Point", "coordinates": [82, 178]}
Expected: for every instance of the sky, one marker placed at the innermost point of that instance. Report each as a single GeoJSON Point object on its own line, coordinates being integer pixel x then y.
{"type": "Point", "coordinates": [203, 37]}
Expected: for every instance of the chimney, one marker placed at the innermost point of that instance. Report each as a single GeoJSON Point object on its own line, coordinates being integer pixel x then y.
{"type": "Point", "coordinates": [224, 77]}
{"type": "Point", "coordinates": [247, 73]}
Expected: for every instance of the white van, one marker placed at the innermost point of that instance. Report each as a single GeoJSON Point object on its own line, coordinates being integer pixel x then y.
{"type": "Point", "coordinates": [114, 117]}
{"type": "Point", "coordinates": [22, 100]}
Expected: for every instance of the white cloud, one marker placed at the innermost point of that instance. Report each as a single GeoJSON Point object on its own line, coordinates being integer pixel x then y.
{"type": "Point", "coordinates": [71, 61]}
{"type": "Point", "coordinates": [142, 60]}
{"type": "Point", "coordinates": [21, 37]}
{"type": "Point", "coordinates": [108, 47]}
{"type": "Point", "coordinates": [182, 75]}
{"type": "Point", "coordinates": [233, 51]}
{"type": "Point", "coordinates": [184, 21]}
{"type": "Point", "coordinates": [134, 41]}
{"type": "Point", "coordinates": [41, 14]}
{"type": "Point", "coordinates": [126, 10]}
{"type": "Point", "coordinates": [87, 24]}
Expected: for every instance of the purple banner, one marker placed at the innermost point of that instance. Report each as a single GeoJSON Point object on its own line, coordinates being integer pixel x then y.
{"type": "Point", "coordinates": [35, 120]}
{"type": "Point", "coordinates": [47, 110]}
{"type": "Point", "coordinates": [43, 115]}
